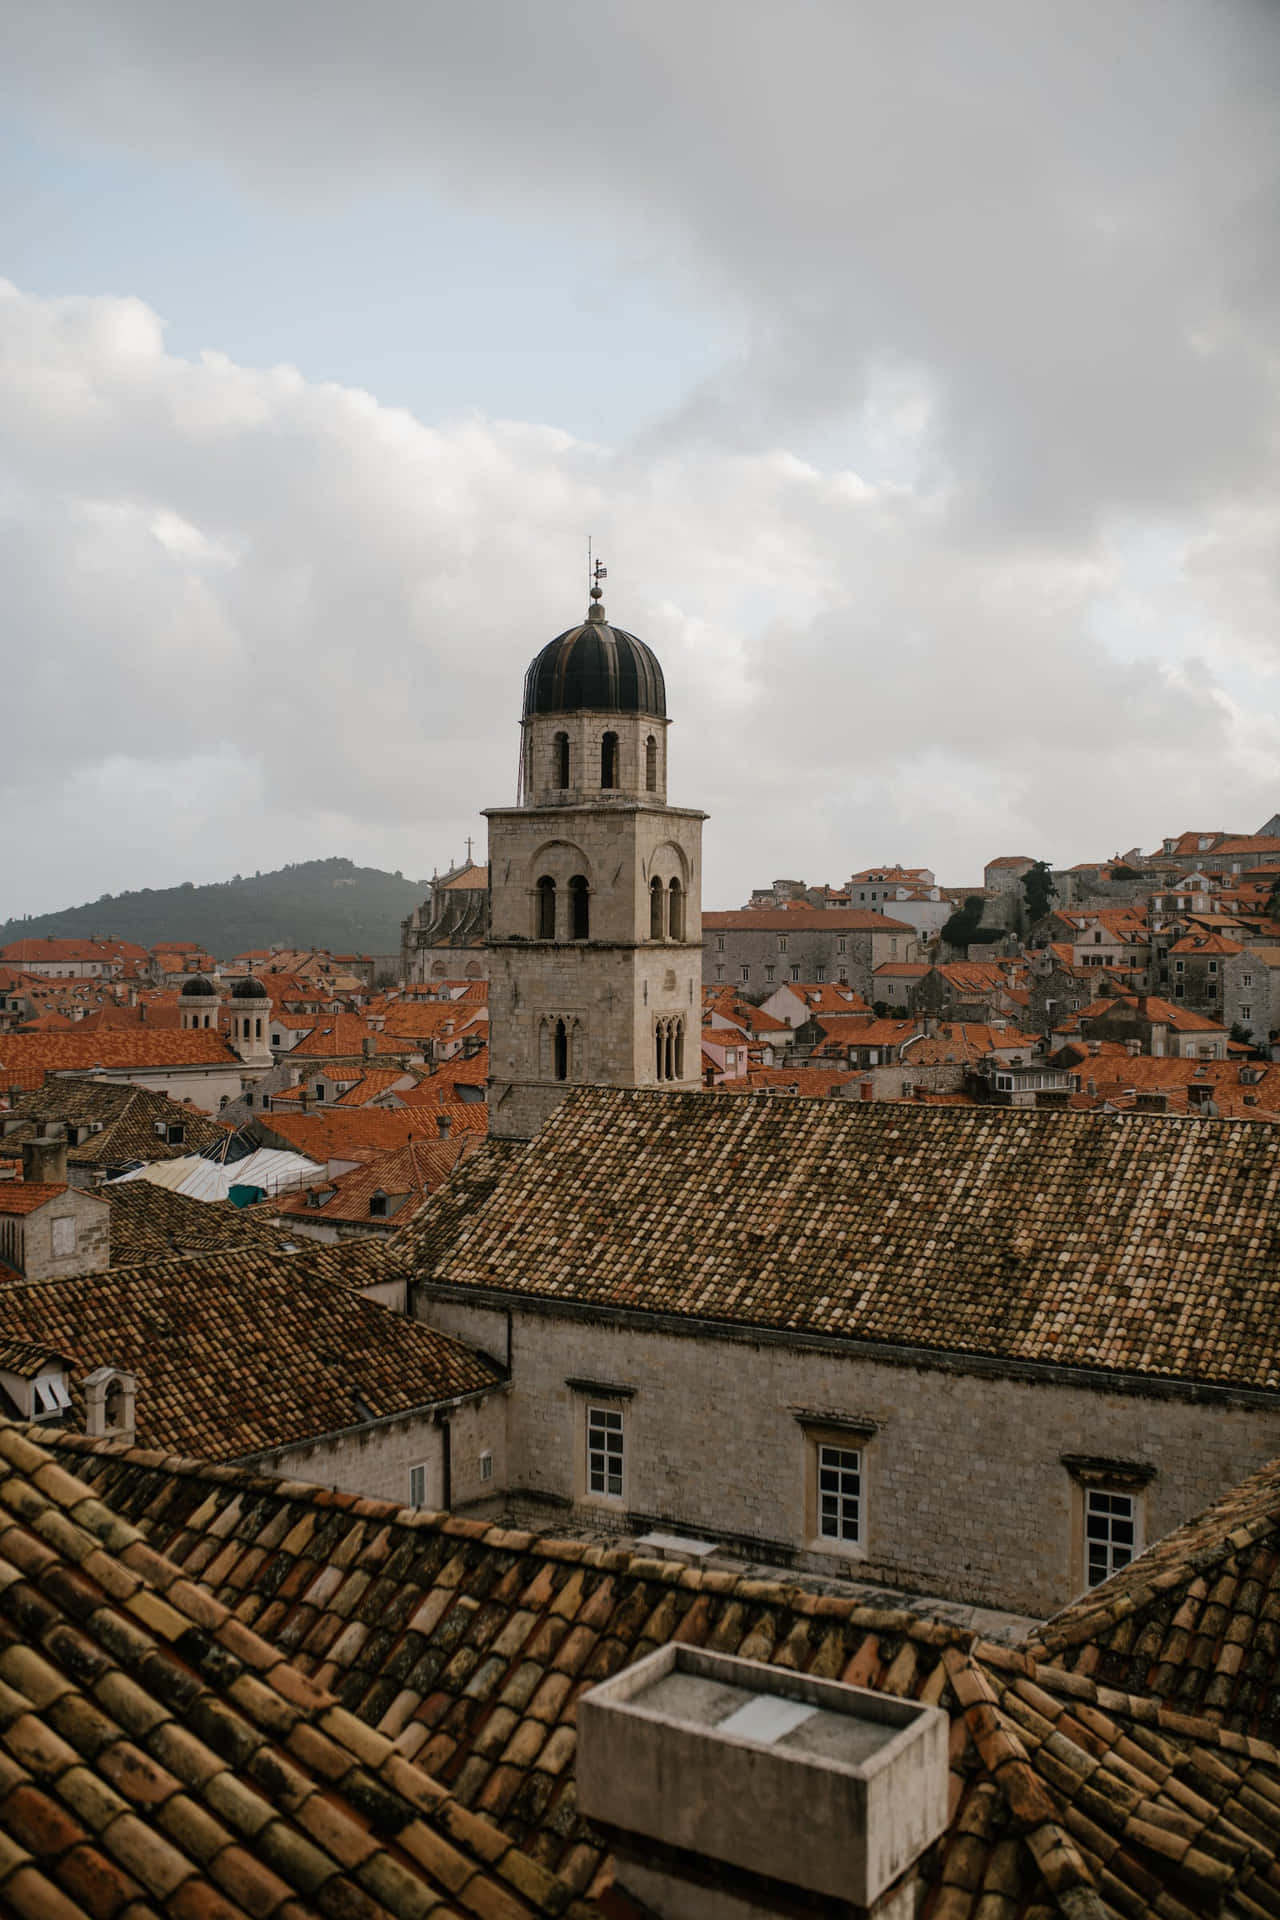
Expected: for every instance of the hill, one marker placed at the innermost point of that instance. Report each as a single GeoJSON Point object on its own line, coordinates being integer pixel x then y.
{"type": "Point", "coordinates": [313, 903]}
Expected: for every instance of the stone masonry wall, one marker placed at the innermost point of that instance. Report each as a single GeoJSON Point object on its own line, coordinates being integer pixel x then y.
{"type": "Point", "coordinates": [376, 1461]}
{"type": "Point", "coordinates": [966, 1492]}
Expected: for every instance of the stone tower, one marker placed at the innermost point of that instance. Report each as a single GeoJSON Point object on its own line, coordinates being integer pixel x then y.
{"type": "Point", "coordinates": [595, 933]}
{"type": "Point", "coordinates": [251, 1022]}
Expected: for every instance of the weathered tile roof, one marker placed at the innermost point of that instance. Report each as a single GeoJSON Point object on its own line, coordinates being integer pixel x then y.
{"type": "Point", "coordinates": [158, 1756]}
{"type": "Point", "coordinates": [335, 1132]}
{"type": "Point", "coordinates": [147, 1221]}
{"type": "Point", "coordinates": [423, 1241]}
{"type": "Point", "coordinates": [470, 1644]}
{"type": "Point", "coordinates": [125, 1116]}
{"type": "Point", "coordinates": [239, 1352]}
{"type": "Point", "coordinates": [1195, 1620]}
{"type": "Point", "coordinates": [1047, 1237]}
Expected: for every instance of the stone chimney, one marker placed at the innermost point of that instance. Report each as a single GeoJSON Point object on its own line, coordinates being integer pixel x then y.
{"type": "Point", "coordinates": [444, 1122]}
{"type": "Point", "coordinates": [44, 1159]}
{"type": "Point", "coordinates": [678, 1753]}
{"type": "Point", "coordinates": [367, 1046]}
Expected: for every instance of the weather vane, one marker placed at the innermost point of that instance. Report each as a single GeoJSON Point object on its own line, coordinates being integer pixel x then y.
{"type": "Point", "coordinates": [596, 572]}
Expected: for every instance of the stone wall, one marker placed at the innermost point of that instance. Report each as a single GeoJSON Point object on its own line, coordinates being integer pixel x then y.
{"type": "Point", "coordinates": [838, 956]}
{"type": "Point", "coordinates": [376, 1460]}
{"type": "Point", "coordinates": [47, 1248]}
{"type": "Point", "coordinates": [967, 1494]}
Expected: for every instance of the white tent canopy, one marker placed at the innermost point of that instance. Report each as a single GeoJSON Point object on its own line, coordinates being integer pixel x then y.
{"type": "Point", "coordinates": [199, 1179]}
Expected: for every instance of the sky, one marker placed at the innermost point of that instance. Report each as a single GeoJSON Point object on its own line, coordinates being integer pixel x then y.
{"type": "Point", "coordinates": [914, 369]}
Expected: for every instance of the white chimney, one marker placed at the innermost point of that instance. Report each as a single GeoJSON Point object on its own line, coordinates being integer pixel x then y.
{"type": "Point", "coordinates": [110, 1396]}
{"type": "Point", "coordinates": [678, 1754]}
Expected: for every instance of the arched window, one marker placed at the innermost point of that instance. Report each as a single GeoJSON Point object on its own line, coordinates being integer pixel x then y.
{"type": "Point", "coordinates": [257, 1025]}
{"type": "Point", "coordinates": [546, 908]}
{"type": "Point", "coordinates": [655, 909]}
{"type": "Point", "coordinates": [679, 1049]}
{"type": "Point", "coordinates": [670, 1053]}
{"type": "Point", "coordinates": [657, 1065]}
{"type": "Point", "coordinates": [609, 760]}
{"type": "Point", "coordinates": [651, 765]}
{"type": "Point", "coordinates": [562, 1050]}
{"type": "Point", "coordinates": [579, 907]}
{"type": "Point", "coordinates": [675, 921]}
{"type": "Point", "coordinates": [560, 758]}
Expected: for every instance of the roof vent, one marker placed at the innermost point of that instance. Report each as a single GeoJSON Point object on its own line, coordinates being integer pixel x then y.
{"type": "Point", "coordinates": [678, 1753]}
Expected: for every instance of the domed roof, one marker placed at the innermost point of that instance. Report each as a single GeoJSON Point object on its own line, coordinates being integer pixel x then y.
{"type": "Point", "coordinates": [199, 985]}
{"type": "Point", "coordinates": [597, 666]}
{"type": "Point", "coordinates": [249, 989]}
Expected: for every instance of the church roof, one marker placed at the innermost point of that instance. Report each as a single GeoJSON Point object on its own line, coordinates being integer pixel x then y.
{"type": "Point", "coordinates": [1033, 1237]}
{"type": "Point", "coordinates": [595, 666]}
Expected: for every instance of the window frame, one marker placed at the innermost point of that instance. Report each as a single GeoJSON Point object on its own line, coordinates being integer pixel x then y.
{"type": "Point", "coordinates": [418, 1472]}
{"type": "Point", "coordinates": [831, 1442]}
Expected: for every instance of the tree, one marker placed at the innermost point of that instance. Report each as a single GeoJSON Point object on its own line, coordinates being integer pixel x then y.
{"type": "Point", "coordinates": [1038, 890]}
{"type": "Point", "coordinates": [963, 925]}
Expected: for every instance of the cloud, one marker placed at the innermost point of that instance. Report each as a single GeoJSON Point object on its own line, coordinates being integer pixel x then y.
{"type": "Point", "coordinates": [968, 545]}
{"type": "Point", "coordinates": [261, 619]}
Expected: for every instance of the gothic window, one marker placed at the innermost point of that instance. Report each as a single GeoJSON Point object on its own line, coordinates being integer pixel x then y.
{"type": "Point", "coordinates": [609, 760]}
{"type": "Point", "coordinates": [562, 1050]}
{"type": "Point", "coordinates": [658, 1052]}
{"type": "Point", "coordinates": [668, 1055]}
{"type": "Point", "coordinates": [579, 907]}
{"type": "Point", "coordinates": [651, 765]}
{"type": "Point", "coordinates": [679, 1026]}
{"type": "Point", "coordinates": [546, 908]}
{"type": "Point", "coordinates": [655, 909]}
{"type": "Point", "coordinates": [560, 752]}
{"type": "Point", "coordinates": [676, 919]}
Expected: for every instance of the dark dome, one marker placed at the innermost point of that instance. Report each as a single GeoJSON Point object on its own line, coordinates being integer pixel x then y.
{"type": "Point", "coordinates": [249, 989]}
{"type": "Point", "coordinates": [598, 666]}
{"type": "Point", "coordinates": [199, 985]}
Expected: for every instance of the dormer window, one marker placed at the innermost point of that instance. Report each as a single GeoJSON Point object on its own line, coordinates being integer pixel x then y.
{"type": "Point", "coordinates": [176, 1134]}
{"type": "Point", "coordinates": [379, 1206]}
{"type": "Point", "coordinates": [49, 1397]}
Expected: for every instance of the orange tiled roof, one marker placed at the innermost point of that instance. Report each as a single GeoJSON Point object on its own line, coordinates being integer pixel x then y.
{"type": "Point", "coordinates": [802, 919]}
{"type": "Point", "coordinates": [25, 1059]}
{"type": "Point", "coordinates": [24, 1196]}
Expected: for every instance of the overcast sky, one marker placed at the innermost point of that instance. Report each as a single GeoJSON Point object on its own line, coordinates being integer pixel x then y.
{"type": "Point", "coordinates": [913, 366]}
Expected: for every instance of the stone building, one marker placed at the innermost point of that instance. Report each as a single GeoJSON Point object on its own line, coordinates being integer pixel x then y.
{"type": "Point", "coordinates": [1251, 991]}
{"type": "Point", "coordinates": [49, 1229]}
{"type": "Point", "coordinates": [595, 887]}
{"type": "Point", "coordinates": [971, 1317]}
{"type": "Point", "coordinates": [446, 937]}
{"type": "Point", "coordinates": [757, 950]}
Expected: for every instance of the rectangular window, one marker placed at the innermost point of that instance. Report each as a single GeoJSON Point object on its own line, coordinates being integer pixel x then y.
{"type": "Point", "coordinates": [843, 973]}
{"type": "Point", "coordinates": [840, 1494]}
{"type": "Point", "coordinates": [1246, 979]}
{"type": "Point", "coordinates": [768, 974]}
{"type": "Point", "coordinates": [719, 973]}
{"type": "Point", "coordinates": [719, 943]}
{"type": "Point", "coordinates": [820, 975]}
{"type": "Point", "coordinates": [782, 942]}
{"type": "Point", "coordinates": [1110, 1528]}
{"type": "Point", "coordinates": [842, 946]}
{"type": "Point", "coordinates": [744, 974]}
{"type": "Point", "coordinates": [417, 1486]}
{"type": "Point", "coordinates": [604, 1452]}
{"type": "Point", "coordinates": [1179, 966]}
{"type": "Point", "coordinates": [795, 973]}
{"type": "Point", "coordinates": [1213, 966]}
{"type": "Point", "coordinates": [1246, 1013]}
{"type": "Point", "coordinates": [64, 1237]}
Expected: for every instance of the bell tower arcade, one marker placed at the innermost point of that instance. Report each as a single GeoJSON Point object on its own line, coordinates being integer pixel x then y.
{"type": "Point", "coordinates": [595, 931]}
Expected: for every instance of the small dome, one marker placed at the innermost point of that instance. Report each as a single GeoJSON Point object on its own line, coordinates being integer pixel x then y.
{"type": "Point", "coordinates": [595, 666]}
{"type": "Point", "coordinates": [199, 985]}
{"type": "Point", "coordinates": [249, 989]}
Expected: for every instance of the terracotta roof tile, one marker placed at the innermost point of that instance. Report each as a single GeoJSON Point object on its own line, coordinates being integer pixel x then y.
{"type": "Point", "coordinates": [1051, 1226]}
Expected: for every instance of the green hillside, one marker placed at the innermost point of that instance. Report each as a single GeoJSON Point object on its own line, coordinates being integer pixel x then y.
{"type": "Point", "coordinates": [315, 903]}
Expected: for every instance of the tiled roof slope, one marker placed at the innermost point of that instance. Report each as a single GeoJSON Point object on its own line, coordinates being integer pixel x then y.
{"type": "Point", "coordinates": [26, 1058]}
{"type": "Point", "coordinates": [158, 1757]}
{"type": "Point", "coordinates": [411, 1173]}
{"type": "Point", "coordinates": [429, 1236]}
{"type": "Point", "coordinates": [239, 1352]}
{"type": "Point", "coordinates": [127, 1116]}
{"type": "Point", "coordinates": [1195, 1620]}
{"type": "Point", "coordinates": [1048, 1237]}
{"type": "Point", "coordinates": [469, 1645]}
{"type": "Point", "coordinates": [149, 1221]}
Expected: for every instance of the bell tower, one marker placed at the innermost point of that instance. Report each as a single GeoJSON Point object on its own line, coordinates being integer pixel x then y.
{"type": "Point", "coordinates": [595, 930]}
